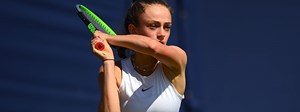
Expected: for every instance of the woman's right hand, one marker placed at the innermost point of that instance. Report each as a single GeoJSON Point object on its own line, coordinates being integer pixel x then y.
{"type": "Point", "coordinates": [104, 54]}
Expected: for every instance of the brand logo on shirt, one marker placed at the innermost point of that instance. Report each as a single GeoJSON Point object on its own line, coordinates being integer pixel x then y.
{"type": "Point", "coordinates": [145, 89]}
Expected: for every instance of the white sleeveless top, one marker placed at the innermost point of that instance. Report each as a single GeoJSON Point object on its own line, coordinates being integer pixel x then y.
{"type": "Point", "coordinates": [154, 93]}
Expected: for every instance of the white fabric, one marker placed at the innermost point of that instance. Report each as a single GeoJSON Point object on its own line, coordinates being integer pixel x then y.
{"type": "Point", "coordinates": [159, 95]}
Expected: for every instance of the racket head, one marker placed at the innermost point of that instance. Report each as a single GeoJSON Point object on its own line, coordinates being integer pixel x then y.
{"type": "Point", "coordinates": [92, 20]}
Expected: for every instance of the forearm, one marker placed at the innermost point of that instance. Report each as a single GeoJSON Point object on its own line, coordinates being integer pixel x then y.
{"type": "Point", "coordinates": [137, 43]}
{"type": "Point", "coordinates": [110, 90]}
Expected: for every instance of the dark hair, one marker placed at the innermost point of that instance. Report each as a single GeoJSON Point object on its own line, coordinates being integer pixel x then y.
{"type": "Point", "coordinates": [133, 13]}
{"type": "Point", "coordinates": [138, 7]}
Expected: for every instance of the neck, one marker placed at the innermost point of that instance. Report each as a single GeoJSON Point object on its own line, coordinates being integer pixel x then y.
{"type": "Point", "coordinates": [144, 64]}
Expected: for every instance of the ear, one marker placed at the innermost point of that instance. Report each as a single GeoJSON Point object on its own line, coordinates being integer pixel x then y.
{"type": "Point", "coordinates": [132, 29]}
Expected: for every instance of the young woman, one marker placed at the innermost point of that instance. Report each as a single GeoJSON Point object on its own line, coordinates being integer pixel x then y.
{"type": "Point", "coordinates": [153, 79]}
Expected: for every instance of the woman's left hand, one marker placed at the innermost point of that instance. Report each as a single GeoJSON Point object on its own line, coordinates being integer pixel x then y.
{"type": "Point", "coordinates": [105, 53]}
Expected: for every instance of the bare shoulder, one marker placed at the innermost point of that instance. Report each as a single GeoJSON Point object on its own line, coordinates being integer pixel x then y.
{"type": "Point", "coordinates": [176, 75]}
{"type": "Point", "coordinates": [179, 58]}
{"type": "Point", "coordinates": [180, 52]}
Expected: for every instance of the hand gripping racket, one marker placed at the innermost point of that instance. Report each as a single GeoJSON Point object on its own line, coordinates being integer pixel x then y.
{"type": "Point", "coordinates": [93, 23]}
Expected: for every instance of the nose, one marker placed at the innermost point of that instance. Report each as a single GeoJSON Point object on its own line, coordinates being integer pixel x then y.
{"type": "Point", "coordinates": [161, 34]}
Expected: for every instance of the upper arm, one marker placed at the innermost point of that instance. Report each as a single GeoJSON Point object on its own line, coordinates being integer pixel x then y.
{"type": "Point", "coordinates": [174, 62]}
{"type": "Point", "coordinates": [101, 78]}
{"type": "Point", "coordinates": [101, 82]}
{"type": "Point", "coordinates": [101, 86]}
{"type": "Point", "coordinates": [117, 74]}
{"type": "Point", "coordinates": [171, 56]}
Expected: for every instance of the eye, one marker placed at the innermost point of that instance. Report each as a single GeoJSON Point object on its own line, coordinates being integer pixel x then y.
{"type": "Point", "coordinates": [152, 26]}
{"type": "Point", "coordinates": [167, 28]}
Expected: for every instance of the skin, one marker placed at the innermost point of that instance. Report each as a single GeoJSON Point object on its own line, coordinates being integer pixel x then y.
{"type": "Point", "coordinates": [149, 40]}
{"type": "Point", "coordinates": [107, 81]}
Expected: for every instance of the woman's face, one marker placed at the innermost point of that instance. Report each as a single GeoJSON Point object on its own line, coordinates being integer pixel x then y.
{"type": "Point", "coordinates": [155, 23]}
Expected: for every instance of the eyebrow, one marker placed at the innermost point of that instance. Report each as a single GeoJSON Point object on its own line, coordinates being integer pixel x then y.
{"type": "Point", "coordinates": [150, 21]}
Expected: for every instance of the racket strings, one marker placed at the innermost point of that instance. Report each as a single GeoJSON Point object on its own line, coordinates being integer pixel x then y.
{"type": "Point", "coordinates": [98, 20]}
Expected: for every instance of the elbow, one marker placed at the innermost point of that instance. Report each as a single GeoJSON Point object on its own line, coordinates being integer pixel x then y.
{"type": "Point", "coordinates": [154, 47]}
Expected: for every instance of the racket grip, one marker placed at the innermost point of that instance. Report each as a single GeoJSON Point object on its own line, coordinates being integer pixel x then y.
{"type": "Point", "coordinates": [100, 46]}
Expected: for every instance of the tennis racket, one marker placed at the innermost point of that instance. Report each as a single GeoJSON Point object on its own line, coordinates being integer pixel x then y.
{"type": "Point", "coordinates": [93, 23]}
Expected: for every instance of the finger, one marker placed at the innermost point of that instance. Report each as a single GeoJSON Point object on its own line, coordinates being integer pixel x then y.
{"type": "Point", "coordinates": [96, 33]}
{"type": "Point", "coordinates": [95, 40]}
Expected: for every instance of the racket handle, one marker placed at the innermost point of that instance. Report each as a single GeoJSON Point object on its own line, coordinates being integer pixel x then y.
{"type": "Point", "coordinates": [100, 46]}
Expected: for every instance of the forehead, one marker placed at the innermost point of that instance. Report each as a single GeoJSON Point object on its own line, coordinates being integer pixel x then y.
{"type": "Point", "coordinates": [156, 12]}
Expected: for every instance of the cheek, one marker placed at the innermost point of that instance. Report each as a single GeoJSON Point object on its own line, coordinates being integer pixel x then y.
{"type": "Point", "coordinates": [166, 38]}
{"type": "Point", "coordinates": [147, 32]}
{"type": "Point", "coordinates": [168, 34]}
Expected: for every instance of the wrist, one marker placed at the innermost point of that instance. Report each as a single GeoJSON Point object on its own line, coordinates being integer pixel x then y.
{"type": "Point", "coordinates": [108, 37]}
{"type": "Point", "coordinates": [108, 62]}
{"type": "Point", "coordinates": [109, 59]}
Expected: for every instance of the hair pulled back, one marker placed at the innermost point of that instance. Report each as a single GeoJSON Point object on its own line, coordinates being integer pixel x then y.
{"type": "Point", "coordinates": [133, 13]}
